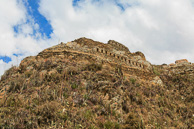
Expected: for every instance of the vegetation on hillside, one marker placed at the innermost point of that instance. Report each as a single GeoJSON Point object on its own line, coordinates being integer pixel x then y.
{"type": "Point", "coordinates": [71, 93]}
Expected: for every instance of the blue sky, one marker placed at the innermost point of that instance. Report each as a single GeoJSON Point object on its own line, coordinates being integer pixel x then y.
{"type": "Point", "coordinates": [75, 3]}
{"type": "Point", "coordinates": [161, 29]}
{"type": "Point", "coordinates": [5, 59]}
{"type": "Point", "coordinates": [45, 28]}
{"type": "Point", "coordinates": [32, 10]}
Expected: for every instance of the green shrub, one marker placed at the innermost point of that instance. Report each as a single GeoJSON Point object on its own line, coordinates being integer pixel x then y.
{"type": "Point", "coordinates": [156, 72]}
{"type": "Point", "coordinates": [14, 86]}
{"type": "Point", "coordinates": [93, 67]}
{"type": "Point", "coordinates": [133, 80]}
{"type": "Point", "coordinates": [65, 95]}
{"type": "Point", "coordinates": [118, 70]}
{"type": "Point", "coordinates": [133, 122]}
{"type": "Point", "coordinates": [88, 114]}
{"type": "Point", "coordinates": [92, 127]}
{"type": "Point", "coordinates": [74, 86]}
{"type": "Point", "coordinates": [108, 125]}
{"type": "Point", "coordinates": [47, 112]}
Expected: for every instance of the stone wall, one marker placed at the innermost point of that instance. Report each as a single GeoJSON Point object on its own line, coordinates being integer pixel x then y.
{"type": "Point", "coordinates": [181, 61]}
{"type": "Point", "coordinates": [103, 50]}
{"type": "Point", "coordinates": [117, 45]}
{"type": "Point", "coordinates": [121, 58]}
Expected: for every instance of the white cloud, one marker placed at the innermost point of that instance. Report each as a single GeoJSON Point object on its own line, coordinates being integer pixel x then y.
{"type": "Point", "coordinates": [161, 29]}
{"type": "Point", "coordinates": [13, 13]}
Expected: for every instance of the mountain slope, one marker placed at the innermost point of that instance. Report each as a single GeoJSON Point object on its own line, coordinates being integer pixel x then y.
{"type": "Point", "coordinates": [88, 84]}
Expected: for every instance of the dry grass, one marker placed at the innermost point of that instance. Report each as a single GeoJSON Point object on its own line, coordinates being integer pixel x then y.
{"type": "Point", "coordinates": [89, 95]}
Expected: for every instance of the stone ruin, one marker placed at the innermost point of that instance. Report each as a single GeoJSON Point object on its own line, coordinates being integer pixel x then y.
{"type": "Point", "coordinates": [182, 61]}
{"type": "Point", "coordinates": [118, 45]}
{"type": "Point", "coordinates": [113, 51]}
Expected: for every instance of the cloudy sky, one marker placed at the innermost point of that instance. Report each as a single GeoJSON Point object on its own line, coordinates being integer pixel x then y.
{"type": "Point", "coordinates": [162, 29]}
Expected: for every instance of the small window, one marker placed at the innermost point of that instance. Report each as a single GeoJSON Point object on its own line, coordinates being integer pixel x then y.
{"type": "Point", "coordinates": [97, 49]}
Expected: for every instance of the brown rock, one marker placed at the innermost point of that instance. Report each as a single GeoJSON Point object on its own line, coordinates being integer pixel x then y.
{"type": "Point", "coordinates": [172, 64]}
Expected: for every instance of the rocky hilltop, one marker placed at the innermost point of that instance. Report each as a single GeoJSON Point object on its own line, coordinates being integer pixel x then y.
{"type": "Point", "coordinates": [89, 84]}
{"type": "Point", "coordinates": [112, 52]}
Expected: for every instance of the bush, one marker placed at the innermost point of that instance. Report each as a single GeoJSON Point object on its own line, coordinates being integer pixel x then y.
{"type": "Point", "coordinates": [156, 72]}
{"type": "Point", "coordinates": [111, 125]}
{"type": "Point", "coordinates": [47, 112]}
{"type": "Point", "coordinates": [132, 122]}
{"type": "Point", "coordinates": [14, 86]}
{"type": "Point", "coordinates": [118, 70]}
{"type": "Point", "coordinates": [93, 67]}
{"type": "Point", "coordinates": [133, 80]}
{"type": "Point", "coordinates": [88, 114]}
{"type": "Point", "coordinates": [74, 86]}
{"type": "Point", "coordinates": [108, 125]}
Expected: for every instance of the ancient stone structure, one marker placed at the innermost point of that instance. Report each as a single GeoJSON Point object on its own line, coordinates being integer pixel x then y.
{"type": "Point", "coordinates": [112, 52]}
{"type": "Point", "coordinates": [118, 45]}
{"type": "Point", "coordinates": [181, 61]}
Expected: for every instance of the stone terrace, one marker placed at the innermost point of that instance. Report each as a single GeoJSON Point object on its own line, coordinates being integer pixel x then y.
{"type": "Point", "coordinates": [111, 52]}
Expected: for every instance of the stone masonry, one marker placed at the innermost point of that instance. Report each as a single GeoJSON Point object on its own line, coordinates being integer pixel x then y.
{"type": "Point", "coordinates": [112, 52]}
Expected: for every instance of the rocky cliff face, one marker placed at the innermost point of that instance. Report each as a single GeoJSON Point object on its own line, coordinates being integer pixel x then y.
{"type": "Point", "coordinates": [89, 84]}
